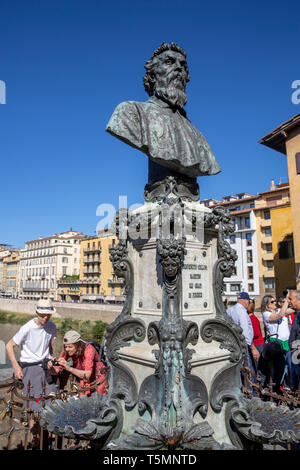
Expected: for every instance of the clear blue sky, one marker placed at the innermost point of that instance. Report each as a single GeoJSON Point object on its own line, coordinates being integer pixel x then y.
{"type": "Point", "coordinates": [68, 63]}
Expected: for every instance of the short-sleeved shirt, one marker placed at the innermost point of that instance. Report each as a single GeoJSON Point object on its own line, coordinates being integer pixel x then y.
{"type": "Point", "coordinates": [34, 341]}
{"type": "Point", "coordinates": [240, 316]}
{"type": "Point", "coordinates": [280, 327]}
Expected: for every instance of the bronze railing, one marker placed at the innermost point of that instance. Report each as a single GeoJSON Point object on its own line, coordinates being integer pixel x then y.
{"type": "Point", "coordinates": [16, 413]}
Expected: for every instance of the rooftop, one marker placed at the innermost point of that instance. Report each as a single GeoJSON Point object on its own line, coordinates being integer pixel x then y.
{"type": "Point", "coordinates": [276, 139]}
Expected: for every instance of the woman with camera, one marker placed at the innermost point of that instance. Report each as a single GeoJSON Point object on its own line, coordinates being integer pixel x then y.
{"type": "Point", "coordinates": [277, 327]}
{"type": "Point", "coordinates": [87, 366]}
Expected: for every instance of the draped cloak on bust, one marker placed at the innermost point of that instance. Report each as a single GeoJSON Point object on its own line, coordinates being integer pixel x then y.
{"type": "Point", "coordinates": [165, 135]}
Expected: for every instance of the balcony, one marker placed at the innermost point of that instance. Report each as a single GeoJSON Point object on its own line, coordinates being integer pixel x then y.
{"type": "Point", "coordinates": [92, 271]}
{"type": "Point", "coordinates": [268, 272]}
{"type": "Point", "coordinates": [266, 240]}
{"type": "Point", "coordinates": [116, 282]}
{"type": "Point", "coordinates": [266, 223]}
{"type": "Point", "coordinates": [92, 281]}
{"type": "Point", "coordinates": [69, 280]}
{"type": "Point", "coordinates": [35, 289]}
{"type": "Point", "coordinates": [268, 256]}
{"type": "Point", "coordinates": [91, 250]}
{"type": "Point", "coordinates": [92, 260]}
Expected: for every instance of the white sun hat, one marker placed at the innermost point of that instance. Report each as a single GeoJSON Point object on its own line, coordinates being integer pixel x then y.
{"type": "Point", "coordinates": [45, 306]}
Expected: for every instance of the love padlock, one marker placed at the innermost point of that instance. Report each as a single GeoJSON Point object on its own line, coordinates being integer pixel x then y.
{"type": "Point", "coordinates": [2, 415]}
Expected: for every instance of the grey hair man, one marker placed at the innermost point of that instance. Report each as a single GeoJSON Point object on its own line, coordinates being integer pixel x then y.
{"type": "Point", "coordinates": [159, 127]}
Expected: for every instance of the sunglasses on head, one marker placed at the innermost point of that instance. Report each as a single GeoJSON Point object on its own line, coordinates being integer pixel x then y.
{"type": "Point", "coordinates": [272, 301]}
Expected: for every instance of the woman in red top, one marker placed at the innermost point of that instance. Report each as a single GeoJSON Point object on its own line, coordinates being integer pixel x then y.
{"type": "Point", "coordinates": [86, 363]}
{"type": "Point", "coordinates": [258, 339]}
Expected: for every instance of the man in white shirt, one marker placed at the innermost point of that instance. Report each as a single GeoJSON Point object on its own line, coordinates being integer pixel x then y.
{"type": "Point", "coordinates": [239, 314]}
{"type": "Point", "coordinates": [35, 339]}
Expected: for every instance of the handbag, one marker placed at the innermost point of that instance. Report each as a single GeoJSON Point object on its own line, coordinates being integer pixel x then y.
{"type": "Point", "coordinates": [272, 349]}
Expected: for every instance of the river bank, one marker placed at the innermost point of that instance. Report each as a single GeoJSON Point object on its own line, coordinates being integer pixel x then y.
{"type": "Point", "coordinates": [106, 313]}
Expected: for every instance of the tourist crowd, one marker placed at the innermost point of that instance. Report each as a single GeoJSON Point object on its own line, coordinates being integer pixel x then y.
{"type": "Point", "coordinates": [273, 354]}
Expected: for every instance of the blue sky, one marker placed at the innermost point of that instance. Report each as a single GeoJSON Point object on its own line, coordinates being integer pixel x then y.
{"type": "Point", "coordinates": [68, 63]}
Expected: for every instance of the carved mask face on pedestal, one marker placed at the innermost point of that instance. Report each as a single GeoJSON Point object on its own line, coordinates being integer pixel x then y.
{"type": "Point", "coordinates": [171, 76]}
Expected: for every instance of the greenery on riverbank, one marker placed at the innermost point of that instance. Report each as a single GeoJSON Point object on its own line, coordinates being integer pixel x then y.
{"type": "Point", "coordinates": [89, 330]}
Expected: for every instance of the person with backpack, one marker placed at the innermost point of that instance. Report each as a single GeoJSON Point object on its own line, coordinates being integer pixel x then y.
{"type": "Point", "coordinates": [276, 324]}
{"type": "Point", "coordinates": [87, 363]}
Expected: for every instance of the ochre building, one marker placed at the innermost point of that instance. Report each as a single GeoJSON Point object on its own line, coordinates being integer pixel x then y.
{"type": "Point", "coordinates": [286, 140]}
{"type": "Point", "coordinates": [275, 240]}
{"type": "Point", "coordinates": [97, 281]}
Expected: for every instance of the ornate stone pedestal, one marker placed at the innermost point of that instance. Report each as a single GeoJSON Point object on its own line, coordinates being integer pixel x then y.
{"type": "Point", "coordinates": [181, 360]}
{"type": "Point", "coordinates": [174, 355]}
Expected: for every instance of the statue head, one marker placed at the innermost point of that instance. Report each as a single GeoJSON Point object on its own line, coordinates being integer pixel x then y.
{"type": "Point", "coordinates": [167, 74]}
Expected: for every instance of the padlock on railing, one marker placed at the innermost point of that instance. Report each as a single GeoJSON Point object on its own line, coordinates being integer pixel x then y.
{"type": "Point", "coordinates": [2, 415]}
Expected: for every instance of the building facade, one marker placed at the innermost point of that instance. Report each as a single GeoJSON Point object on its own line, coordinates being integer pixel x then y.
{"type": "Point", "coordinates": [10, 274]}
{"type": "Point", "coordinates": [4, 253]}
{"type": "Point", "coordinates": [97, 278]}
{"type": "Point", "coordinates": [244, 241]}
{"type": "Point", "coordinates": [46, 260]}
{"type": "Point", "coordinates": [264, 242]}
{"type": "Point", "coordinates": [286, 140]}
{"type": "Point", "coordinates": [97, 282]}
{"type": "Point", "coordinates": [275, 240]}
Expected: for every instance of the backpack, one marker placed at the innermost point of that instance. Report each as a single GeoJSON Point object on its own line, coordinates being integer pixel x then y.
{"type": "Point", "coordinates": [99, 349]}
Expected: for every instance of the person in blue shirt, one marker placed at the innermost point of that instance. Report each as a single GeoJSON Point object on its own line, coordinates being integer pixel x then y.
{"type": "Point", "coordinates": [239, 314]}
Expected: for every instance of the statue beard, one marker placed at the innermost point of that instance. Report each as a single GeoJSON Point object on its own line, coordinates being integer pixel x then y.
{"type": "Point", "coordinates": [172, 89]}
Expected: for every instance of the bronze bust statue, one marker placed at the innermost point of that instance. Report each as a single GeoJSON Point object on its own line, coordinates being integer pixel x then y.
{"type": "Point", "coordinates": [159, 127]}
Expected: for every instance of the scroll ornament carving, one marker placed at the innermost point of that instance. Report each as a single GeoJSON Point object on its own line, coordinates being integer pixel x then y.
{"type": "Point", "coordinates": [172, 190]}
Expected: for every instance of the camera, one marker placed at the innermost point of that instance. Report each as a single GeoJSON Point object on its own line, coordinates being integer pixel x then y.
{"type": "Point", "coordinates": [55, 362]}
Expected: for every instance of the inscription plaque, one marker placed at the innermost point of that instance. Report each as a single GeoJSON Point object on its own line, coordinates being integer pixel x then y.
{"type": "Point", "coordinates": [195, 280]}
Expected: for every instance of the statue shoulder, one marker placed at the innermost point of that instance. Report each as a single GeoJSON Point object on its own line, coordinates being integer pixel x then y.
{"type": "Point", "coordinates": [125, 111]}
{"type": "Point", "coordinates": [126, 122]}
{"type": "Point", "coordinates": [128, 107]}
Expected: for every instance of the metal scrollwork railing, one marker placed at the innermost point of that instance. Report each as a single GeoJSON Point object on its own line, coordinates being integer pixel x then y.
{"type": "Point", "coordinates": [15, 412]}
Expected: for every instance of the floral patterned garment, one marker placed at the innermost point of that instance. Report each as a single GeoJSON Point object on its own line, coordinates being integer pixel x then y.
{"type": "Point", "coordinates": [89, 362]}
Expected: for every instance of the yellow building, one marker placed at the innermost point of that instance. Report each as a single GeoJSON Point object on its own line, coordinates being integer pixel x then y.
{"type": "Point", "coordinates": [283, 249]}
{"type": "Point", "coordinates": [96, 281]}
{"type": "Point", "coordinates": [68, 288]}
{"type": "Point", "coordinates": [286, 139]}
{"type": "Point", "coordinates": [10, 274]}
{"type": "Point", "coordinates": [274, 240]}
{"type": "Point", "coordinates": [4, 253]}
{"type": "Point", "coordinates": [90, 259]}
{"type": "Point", "coordinates": [112, 287]}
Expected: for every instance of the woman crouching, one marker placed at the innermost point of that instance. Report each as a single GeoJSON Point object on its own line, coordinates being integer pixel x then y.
{"type": "Point", "coordinates": [87, 366]}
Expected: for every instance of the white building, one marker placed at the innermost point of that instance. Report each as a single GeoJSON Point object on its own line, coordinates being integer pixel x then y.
{"type": "Point", "coordinates": [45, 260]}
{"type": "Point", "coordinates": [244, 241]}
